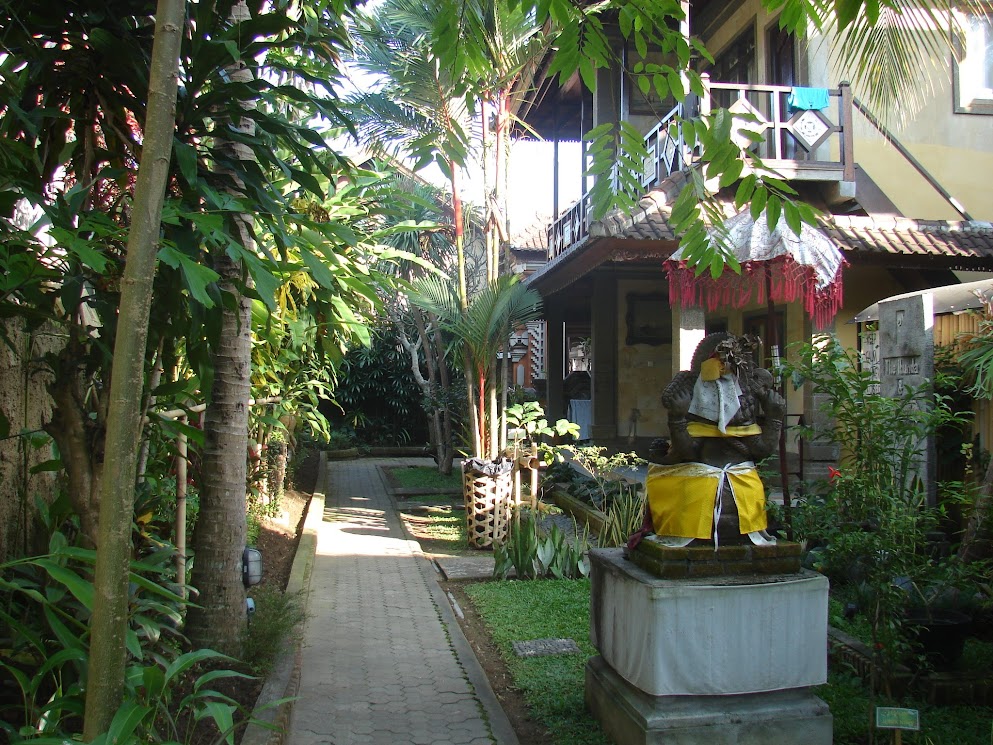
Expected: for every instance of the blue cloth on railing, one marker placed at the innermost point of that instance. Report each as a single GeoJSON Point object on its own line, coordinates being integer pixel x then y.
{"type": "Point", "coordinates": [808, 98]}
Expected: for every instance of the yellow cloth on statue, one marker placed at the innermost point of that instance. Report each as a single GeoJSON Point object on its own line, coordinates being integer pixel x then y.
{"type": "Point", "coordinates": [705, 429]}
{"type": "Point", "coordinates": [684, 498]}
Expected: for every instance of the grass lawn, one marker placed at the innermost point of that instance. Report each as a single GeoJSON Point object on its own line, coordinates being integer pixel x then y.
{"type": "Point", "coordinates": [426, 477]}
{"type": "Point", "coordinates": [439, 528]}
{"type": "Point", "coordinates": [553, 686]}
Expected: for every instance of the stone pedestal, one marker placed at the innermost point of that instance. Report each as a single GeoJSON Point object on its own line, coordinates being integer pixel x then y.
{"type": "Point", "coordinates": [707, 660]}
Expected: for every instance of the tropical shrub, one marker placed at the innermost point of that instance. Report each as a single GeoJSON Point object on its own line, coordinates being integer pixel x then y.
{"type": "Point", "coordinates": [375, 397]}
{"type": "Point", "coordinates": [871, 522]}
{"type": "Point", "coordinates": [535, 553]}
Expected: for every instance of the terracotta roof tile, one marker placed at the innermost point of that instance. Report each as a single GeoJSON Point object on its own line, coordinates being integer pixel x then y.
{"type": "Point", "coordinates": [880, 235]}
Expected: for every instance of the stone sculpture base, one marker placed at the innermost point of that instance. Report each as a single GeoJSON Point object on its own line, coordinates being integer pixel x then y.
{"type": "Point", "coordinates": [632, 717]}
{"type": "Point", "coordinates": [708, 660]}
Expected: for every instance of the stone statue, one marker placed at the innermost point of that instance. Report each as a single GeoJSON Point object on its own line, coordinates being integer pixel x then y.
{"type": "Point", "coordinates": [724, 415]}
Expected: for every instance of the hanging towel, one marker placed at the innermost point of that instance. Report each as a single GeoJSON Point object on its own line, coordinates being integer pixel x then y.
{"type": "Point", "coordinates": [808, 98]}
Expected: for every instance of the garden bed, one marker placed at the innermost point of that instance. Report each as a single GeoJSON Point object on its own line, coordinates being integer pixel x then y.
{"type": "Point", "coordinates": [942, 688]}
{"type": "Point", "coordinates": [585, 514]}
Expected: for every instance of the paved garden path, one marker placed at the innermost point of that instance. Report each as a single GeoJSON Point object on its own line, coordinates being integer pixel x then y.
{"type": "Point", "coordinates": [384, 660]}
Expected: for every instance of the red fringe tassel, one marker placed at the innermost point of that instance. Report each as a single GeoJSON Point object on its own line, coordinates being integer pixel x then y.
{"type": "Point", "coordinates": [789, 281]}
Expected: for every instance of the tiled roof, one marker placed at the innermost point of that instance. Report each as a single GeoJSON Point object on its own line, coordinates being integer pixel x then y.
{"type": "Point", "coordinates": [865, 237]}
{"type": "Point", "coordinates": [649, 220]}
{"type": "Point", "coordinates": [889, 235]}
{"type": "Point", "coordinates": [883, 238]}
{"type": "Point", "coordinates": [533, 236]}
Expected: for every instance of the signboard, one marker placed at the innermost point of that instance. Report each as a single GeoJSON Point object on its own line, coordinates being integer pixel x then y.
{"type": "Point", "coordinates": [890, 717]}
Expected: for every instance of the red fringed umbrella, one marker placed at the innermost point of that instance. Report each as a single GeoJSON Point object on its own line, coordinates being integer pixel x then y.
{"type": "Point", "coordinates": [777, 266]}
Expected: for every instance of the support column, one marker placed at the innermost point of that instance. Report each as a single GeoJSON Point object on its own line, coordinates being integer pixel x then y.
{"type": "Point", "coordinates": [604, 334]}
{"type": "Point", "coordinates": [688, 330]}
{"type": "Point", "coordinates": [554, 365]}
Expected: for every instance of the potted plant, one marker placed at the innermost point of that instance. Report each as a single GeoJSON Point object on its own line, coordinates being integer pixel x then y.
{"type": "Point", "coordinates": [479, 330]}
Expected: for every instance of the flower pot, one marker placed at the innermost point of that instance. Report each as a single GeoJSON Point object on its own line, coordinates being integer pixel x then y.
{"type": "Point", "coordinates": [938, 634]}
{"type": "Point", "coordinates": [488, 489]}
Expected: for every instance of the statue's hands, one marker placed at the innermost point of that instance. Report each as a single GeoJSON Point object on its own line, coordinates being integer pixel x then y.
{"type": "Point", "coordinates": [678, 395]}
{"type": "Point", "coordinates": [773, 404]}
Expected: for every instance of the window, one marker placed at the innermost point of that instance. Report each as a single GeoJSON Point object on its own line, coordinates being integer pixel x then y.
{"type": "Point", "coordinates": [973, 66]}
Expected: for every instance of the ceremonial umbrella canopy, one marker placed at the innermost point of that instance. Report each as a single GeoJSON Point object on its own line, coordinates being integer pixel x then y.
{"type": "Point", "coordinates": [777, 266]}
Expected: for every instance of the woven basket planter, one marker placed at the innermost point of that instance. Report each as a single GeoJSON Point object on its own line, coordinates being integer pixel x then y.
{"type": "Point", "coordinates": [488, 501]}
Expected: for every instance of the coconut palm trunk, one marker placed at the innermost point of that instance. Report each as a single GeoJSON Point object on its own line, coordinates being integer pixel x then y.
{"type": "Point", "coordinates": [219, 618]}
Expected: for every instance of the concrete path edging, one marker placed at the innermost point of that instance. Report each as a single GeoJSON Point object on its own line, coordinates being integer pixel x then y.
{"type": "Point", "coordinates": [274, 706]}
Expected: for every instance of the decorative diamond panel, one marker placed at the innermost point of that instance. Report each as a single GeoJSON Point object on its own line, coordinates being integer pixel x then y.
{"type": "Point", "coordinates": [669, 154]}
{"type": "Point", "coordinates": [810, 128]}
{"type": "Point", "coordinates": [747, 119]}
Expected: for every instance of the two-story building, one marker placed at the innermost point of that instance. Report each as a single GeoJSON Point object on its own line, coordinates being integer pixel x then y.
{"type": "Point", "coordinates": [909, 207]}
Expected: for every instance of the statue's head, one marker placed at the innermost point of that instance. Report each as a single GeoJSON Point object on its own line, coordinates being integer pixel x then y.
{"type": "Point", "coordinates": [723, 353]}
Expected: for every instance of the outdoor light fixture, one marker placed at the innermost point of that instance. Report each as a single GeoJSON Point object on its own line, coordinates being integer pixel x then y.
{"type": "Point", "coordinates": [251, 567]}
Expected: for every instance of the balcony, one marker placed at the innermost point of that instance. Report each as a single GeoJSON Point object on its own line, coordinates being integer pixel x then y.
{"type": "Point", "coordinates": [804, 145]}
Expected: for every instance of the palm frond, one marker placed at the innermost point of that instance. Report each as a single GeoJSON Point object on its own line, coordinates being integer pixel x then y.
{"type": "Point", "coordinates": [893, 61]}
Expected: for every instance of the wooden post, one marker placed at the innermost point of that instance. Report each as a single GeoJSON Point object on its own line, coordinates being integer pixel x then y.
{"type": "Point", "coordinates": [847, 133]}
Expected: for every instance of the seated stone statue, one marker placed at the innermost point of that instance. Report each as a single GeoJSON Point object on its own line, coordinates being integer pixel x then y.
{"type": "Point", "coordinates": [724, 415]}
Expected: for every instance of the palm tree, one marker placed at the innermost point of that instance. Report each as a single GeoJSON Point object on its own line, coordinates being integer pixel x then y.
{"type": "Point", "coordinates": [417, 330]}
{"type": "Point", "coordinates": [416, 109]}
{"type": "Point", "coordinates": [479, 331]}
{"type": "Point", "coordinates": [501, 41]}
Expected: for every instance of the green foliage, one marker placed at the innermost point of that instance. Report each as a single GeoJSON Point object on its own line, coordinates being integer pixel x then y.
{"type": "Point", "coordinates": [551, 685]}
{"type": "Point", "coordinates": [45, 606]}
{"type": "Point", "coordinates": [625, 515]}
{"type": "Point", "coordinates": [528, 421]}
{"type": "Point", "coordinates": [253, 529]}
{"type": "Point", "coordinates": [603, 482]}
{"type": "Point", "coordinates": [852, 709]}
{"type": "Point", "coordinates": [479, 331]}
{"type": "Point", "coordinates": [870, 523]}
{"type": "Point", "coordinates": [272, 626]}
{"type": "Point", "coordinates": [376, 396]}
{"type": "Point", "coordinates": [535, 553]}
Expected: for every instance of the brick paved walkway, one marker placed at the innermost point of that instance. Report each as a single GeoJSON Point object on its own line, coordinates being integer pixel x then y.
{"type": "Point", "coordinates": [384, 661]}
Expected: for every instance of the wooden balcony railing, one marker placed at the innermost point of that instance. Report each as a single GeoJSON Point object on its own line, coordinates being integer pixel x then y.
{"type": "Point", "coordinates": [804, 144]}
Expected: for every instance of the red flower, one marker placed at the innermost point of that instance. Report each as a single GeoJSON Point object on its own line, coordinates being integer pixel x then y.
{"type": "Point", "coordinates": [833, 474]}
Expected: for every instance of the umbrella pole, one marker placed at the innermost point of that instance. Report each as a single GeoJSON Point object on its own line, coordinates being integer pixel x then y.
{"type": "Point", "coordinates": [773, 330]}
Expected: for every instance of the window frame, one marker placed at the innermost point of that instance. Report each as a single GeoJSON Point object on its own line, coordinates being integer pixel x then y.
{"type": "Point", "coordinates": [971, 99]}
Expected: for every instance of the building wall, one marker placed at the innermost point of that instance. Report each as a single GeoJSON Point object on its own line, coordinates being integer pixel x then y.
{"type": "Point", "coordinates": [643, 371]}
{"type": "Point", "coordinates": [956, 148]}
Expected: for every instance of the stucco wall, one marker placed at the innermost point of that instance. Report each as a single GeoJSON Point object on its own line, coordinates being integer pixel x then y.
{"type": "Point", "coordinates": [25, 403]}
{"type": "Point", "coordinates": [643, 371]}
{"type": "Point", "coordinates": [954, 148]}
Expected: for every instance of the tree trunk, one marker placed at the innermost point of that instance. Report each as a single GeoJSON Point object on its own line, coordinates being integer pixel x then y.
{"type": "Point", "coordinates": [80, 440]}
{"type": "Point", "coordinates": [109, 623]}
{"type": "Point", "coordinates": [439, 422]}
{"type": "Point", "coordinates": [219, 619]}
